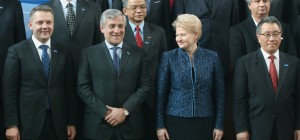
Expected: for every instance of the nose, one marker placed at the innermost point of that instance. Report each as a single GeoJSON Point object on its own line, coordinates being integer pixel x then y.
{"type": "Point", "coordinates": [262, 3]}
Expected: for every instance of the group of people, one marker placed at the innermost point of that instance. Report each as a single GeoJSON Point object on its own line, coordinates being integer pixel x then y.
{"type": "Point", "coordinates": [110, 70]}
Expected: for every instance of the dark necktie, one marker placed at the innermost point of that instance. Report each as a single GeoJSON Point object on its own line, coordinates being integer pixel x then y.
{"type": "Point", "coordinates": [116, 59]}
{"type": "Point", "coordinates": [138, 37]}
{"type": "Point", "coordinates": [45, 60]}
{"type": "Point", "coordinates": [273, 73]}
{"type": "Point", "coordinates": [46, 65]}
{"type": "Point", "coordinates": [70, 18]}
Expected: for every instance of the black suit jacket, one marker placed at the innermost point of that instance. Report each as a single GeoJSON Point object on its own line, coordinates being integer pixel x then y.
{"type": "Point", "coordinates": [154, 44]}
{"type": "Point", "coordinates": [257, 107]}
{"type": "Point", "coordinates": [25, 91]}
{"type": "Point", "coordinates": [11, 31]}
{"type": "Point", "coordinates": [99, 85]}
{"type": "Point", "coordinates": [86, 30]}
{"type": "Point", "coordinates": [159, 15]}
{"type": "Point", "coordinates": [243, 40]}
{"type": "Point", "coordinates": [116, 4]}
{"type": "Point", "coordinates": [215, 26]}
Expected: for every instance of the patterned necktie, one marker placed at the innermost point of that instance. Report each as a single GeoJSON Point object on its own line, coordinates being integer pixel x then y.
{"type": "Point", "coordinates": [45, 60]}
{"type": "Point", "coordinates": [273, 73]}
{"type": "Point", "coordinates": [70, 18]}
{"type": "Point", "coordinates": [116, 59]}
{"type": "Point", "coordinates": [138, 37]}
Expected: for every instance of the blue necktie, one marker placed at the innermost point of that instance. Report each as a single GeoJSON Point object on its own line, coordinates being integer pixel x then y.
{"type": "Point", "coordinates": [45, 61]}
{"type": "Point", "coordinates": [116, 59]}
{"type": "Point", "coordinates": [46, 65]}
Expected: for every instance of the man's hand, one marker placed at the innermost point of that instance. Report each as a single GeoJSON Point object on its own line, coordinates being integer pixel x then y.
{"type": "Point", "coordinates": [115, 117]}
{"type": "Point", "coordinates": [13, 133]}
{"type": "Point", "coordinates": [297, 134]}
{"type": "Point", "coordinates": [162, 134]}
{"type": "Point", "coordinates": [242, 135]}
{"type": "Point", "coordinates": [217, 134]}
{"type": "Point", "coordinates": [71, 129]}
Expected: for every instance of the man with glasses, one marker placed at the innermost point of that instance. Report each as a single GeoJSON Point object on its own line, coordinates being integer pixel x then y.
{"type": "Point", "coordinates": [242, 36]}
{"type": "Point", "coordinates": [266, 91]}
{"type": "Point", "coordinates": [151, 39]}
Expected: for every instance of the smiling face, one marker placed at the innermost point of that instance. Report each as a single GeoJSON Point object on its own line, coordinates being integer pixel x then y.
{"type": "Point", "coordinates": [185, 39]}
{"type": "Point", "coordinates": [270, 37]}
{"type": "Point", "coordinates": [136, 11]}
{"type": "Point", "coordinates": [114, 30]}
{"type": "Point", "coordinates": [41, 23]}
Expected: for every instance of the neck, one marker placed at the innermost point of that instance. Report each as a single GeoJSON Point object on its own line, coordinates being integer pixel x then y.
{"type": "Point", "coordinates": [191, 50]}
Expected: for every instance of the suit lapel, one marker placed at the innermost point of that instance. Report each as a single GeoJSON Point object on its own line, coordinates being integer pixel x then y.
{"type": "Point", "coordinates": [37, 58]}
{"type": "Point", "coordinates": [251, 27]}
{"type": "Point", "coordinates": [59, 14]}
{"type": "Point", "coordinates": [104, 52]}
{"type": "Point", "coordinates": [80, 12]}
{"type": "Point", "coordinates": [263, 71]}
{"type": "Point", "coordinates": [216, 5]}
{"type": "Point", "coordinates": [148, 36]}
{"type": "Point", "coordinates": [53, 62]}
{"type": "Point", "coordinates": [126, 53]}
{"type": "Point", "coordinates": [129, 35]}
{"type": "Point", "coordinates": [283, 68]}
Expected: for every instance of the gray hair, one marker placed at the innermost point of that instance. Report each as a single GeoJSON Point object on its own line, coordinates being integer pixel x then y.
{"type": "Point", "coordinates": [249, 1]}
{"type": "Point", "coordinates": [189, 22]}
{"type": "Point", "coordinates": [111, 14]}
{"type": "Point", "coordinates": [269, 20]}
{"type": "Point", "coordinates": [44, 8]}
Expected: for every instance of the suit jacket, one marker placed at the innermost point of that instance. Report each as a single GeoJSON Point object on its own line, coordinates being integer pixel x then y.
{"type": "Point", "coordinates": [159, 15]}
{"type": "Point", "coordinates": [11, 31]}
{"type": "Point", "coordinates": [86, 30]}
{"type": "Point", "coordinates": [99, 85]}
{"type": "Point", "coordinates": [257, 107]}
{"type": "Point", "coordinates": [25, 91]}
{"type": "Point", "coordinates": [215, 24]}
{"type": "Point", "coordinates": [154, 44]}
{"type": "Point", "coordinates": [243, 40]}
{"type": "Point", "coordinates": [116, 4]}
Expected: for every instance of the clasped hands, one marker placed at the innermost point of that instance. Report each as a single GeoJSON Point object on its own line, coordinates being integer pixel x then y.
{"type": "Point", "coordinates": [114, 116]}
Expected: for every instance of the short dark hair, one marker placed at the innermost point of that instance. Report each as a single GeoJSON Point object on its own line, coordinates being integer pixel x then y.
{"type": "Point", "coordinates": [270, 20]}
{"type": "Point", "coordinates": [44, 8]}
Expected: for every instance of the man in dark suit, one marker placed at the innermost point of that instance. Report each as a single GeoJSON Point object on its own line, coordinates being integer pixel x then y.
{"type": "Point", "coordinates": [38, 98]}
{"type": "Point", "coordinates": [12, 31]}
{"type": "Point", "coordinates": [153, 42]}
{"type": "Point", "coordinates": [113, 82]}
{"type": "Point", "coordinates": [85, 33]}
{"type": "Point", "coordinates": [266, 91]}
{"type": "Point", "coordinates": [243, 37]}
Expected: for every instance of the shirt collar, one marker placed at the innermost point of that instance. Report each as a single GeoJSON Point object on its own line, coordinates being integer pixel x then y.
{"type": "Point", "coordinates": [141, 26]}
{"type": "Point", "coordinates": [65, 2]}
{"type": "Point", "coordinates": [37, 43]}
{"type": "Point", "coordinates": [254, 21]}
{"type": "Point", "coordinates": [266, 55]}
{"type": "Point", "coordinates": [109, 46]}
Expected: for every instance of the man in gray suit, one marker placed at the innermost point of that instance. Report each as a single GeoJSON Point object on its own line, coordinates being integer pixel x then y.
{"type": "Point", "coordinates": [113, 82]}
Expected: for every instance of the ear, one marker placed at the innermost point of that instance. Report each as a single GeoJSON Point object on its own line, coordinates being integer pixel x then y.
{"type": "Point", "coordinates": [101, 28]}
{"type": "Point", "coordinates": [196, 37]}
{"type": "Point", "coordinates": [124, 11]}
{"type": "Point", "coordinates": [30, 25]}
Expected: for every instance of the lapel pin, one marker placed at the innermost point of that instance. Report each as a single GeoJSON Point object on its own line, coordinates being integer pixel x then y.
{"type": "Point", "coordinates": [149, 37]}
{"type": "Point", "coordinates": [128, 53]}
{"type": "Point", "coordinates": [147, 43]}
{"type": "Point", "coordinates": [157, 1]}
{"type": "Point", "coordinates": [286, 65]}
{"type": "Point", "coordinates": [1, 7]}
{"type": "Point", "coordinates": [82, 9]}
{"type": "Point", "coordinates": [55, 51]}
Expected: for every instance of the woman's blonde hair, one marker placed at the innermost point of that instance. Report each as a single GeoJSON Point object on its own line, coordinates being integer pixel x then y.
{"type": "Point", "coordinates": [189, 22]}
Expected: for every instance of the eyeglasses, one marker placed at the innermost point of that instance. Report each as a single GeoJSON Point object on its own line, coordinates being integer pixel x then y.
{"type": "Point", "coordinates": [268, 35]}
{"type": "Point", "coordinates": [135, 7]}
